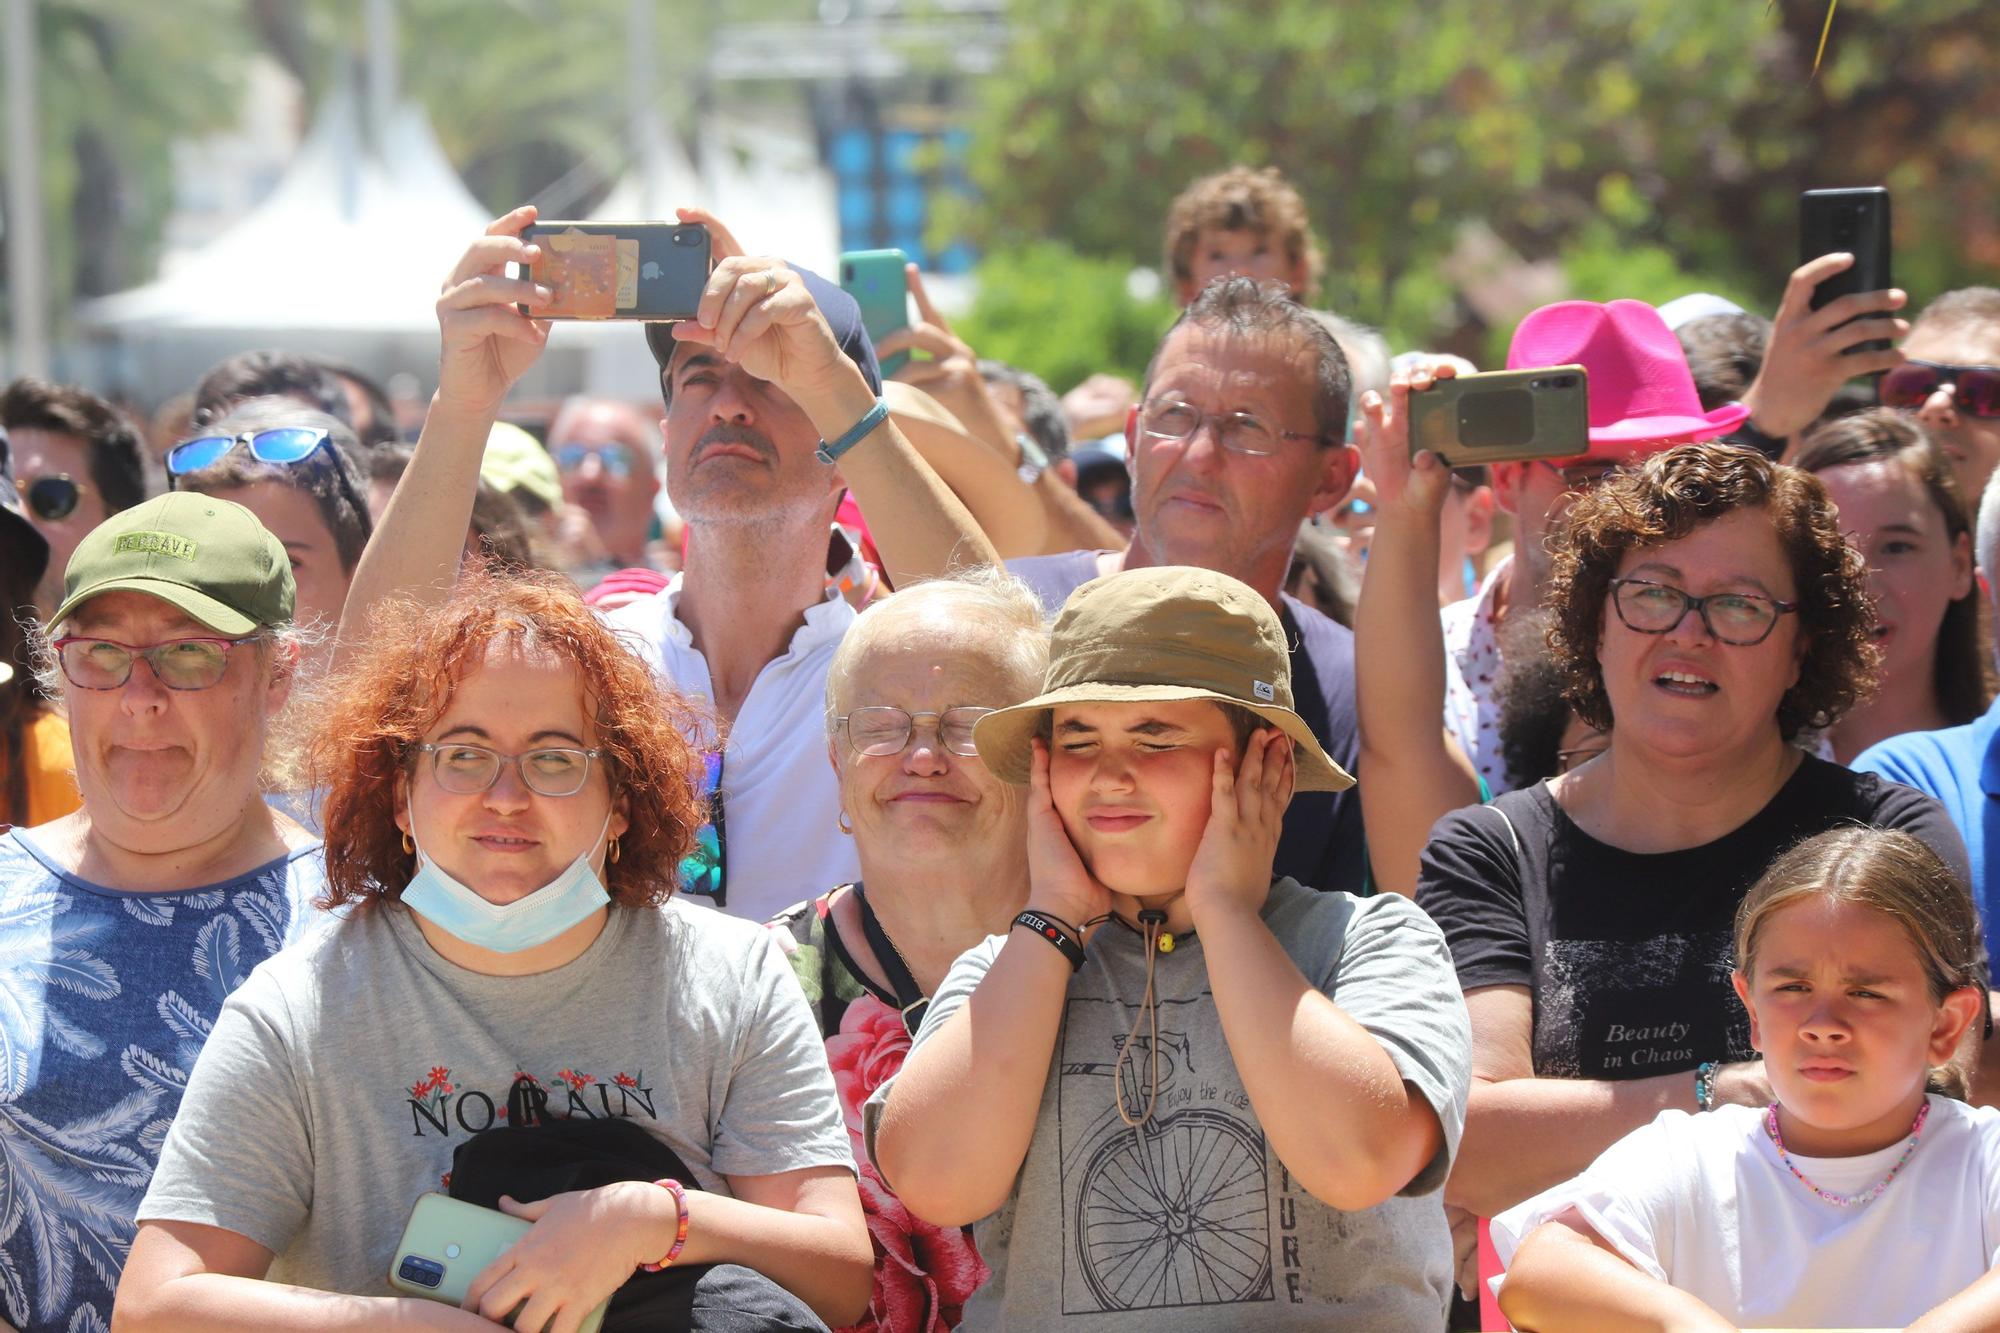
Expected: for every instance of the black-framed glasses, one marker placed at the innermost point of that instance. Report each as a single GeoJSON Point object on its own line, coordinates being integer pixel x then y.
{"type": "Point", "coordinates": [883, 730]}
{"type": "Point", "coordinates": [550, 770]}
{"type": "Point", "coordinates": [287, 446]}
{"type": "Point", "coordinates": [1238, 432]}
{"type": "Point", "coordinates": [1975, 389]}
{"type": "Point", "coordinates": [704, 870]}
{"type": "Point", "coordinates": [51, 498]}
{"type": "Point", "coordinates": [1579, 477]}
{"type": "Point", "coordinates": [179, 664]}
{"type": "Point", "coordinates": [1744, 619]}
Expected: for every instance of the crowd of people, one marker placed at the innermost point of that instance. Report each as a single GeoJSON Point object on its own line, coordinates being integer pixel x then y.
{"type": "Point", "coordinates": [836, 850]}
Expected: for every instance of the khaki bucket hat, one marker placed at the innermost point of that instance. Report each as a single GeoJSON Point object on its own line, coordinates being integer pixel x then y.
{"type": "Point", "coordinates": [1158, 634]}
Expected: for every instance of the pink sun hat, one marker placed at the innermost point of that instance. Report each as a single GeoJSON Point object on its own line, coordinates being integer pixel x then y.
{"type": "Point", "coordinates": [1642, 394]}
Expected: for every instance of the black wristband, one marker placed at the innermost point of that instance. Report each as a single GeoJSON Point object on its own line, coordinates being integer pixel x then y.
{"type": "Point", "coordinates": [1056, 933]}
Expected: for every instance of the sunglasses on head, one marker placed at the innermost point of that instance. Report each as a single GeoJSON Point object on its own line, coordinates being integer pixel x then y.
{"type": "Point", "coordinates": [1975, 389]}
{"type": "Point", "coordinates": [286, 446]}
{"type": "Point", "coordinates": [50, 498]}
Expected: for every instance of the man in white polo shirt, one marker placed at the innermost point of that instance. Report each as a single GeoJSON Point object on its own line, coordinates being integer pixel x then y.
{"type": "Point", "coordinates": [774, 371]}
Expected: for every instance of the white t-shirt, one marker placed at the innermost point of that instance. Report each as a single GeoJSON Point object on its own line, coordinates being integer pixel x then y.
{"type": "Point", "coordinates": [1704, 1203]}
{"type": "Point", "coordinates": [780, 799]}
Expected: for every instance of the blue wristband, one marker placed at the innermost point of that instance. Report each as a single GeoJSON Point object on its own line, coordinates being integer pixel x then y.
{"type": "Point", "coordinates": [875, 416]}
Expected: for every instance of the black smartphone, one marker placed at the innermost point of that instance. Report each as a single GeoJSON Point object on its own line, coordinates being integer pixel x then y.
{"type": "Point", "coordinates": [620, 270]}
{"type": "Point", "coordinates": [1856, 222]}
{"type": "Point", "coordinates": [1503, 416]}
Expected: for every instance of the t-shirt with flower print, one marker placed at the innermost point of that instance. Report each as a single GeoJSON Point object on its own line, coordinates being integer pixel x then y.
{"type": "Point", "coordinates": [923, 1273]}
{"type": "Point", "coordinates": [105, 999]}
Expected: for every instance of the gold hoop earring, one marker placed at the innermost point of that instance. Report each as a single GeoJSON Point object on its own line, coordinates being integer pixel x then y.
{"type": "Point", "coordinates": [616, 851]}
{"type": "Point", "coordinates": [409, 848]}
{"type": "Point", "coordinates": [840, 822]}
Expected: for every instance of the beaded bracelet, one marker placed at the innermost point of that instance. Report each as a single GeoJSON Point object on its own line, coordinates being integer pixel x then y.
{"type": "Point", "coordinates": [1704, 1086]}
{"type": "Point", "coordinates": [673, 1187]}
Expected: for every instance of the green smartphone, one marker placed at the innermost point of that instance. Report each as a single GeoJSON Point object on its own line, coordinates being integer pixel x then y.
{"type": "Point", "coordinates": [875, 279]}
{"type": "Point", "coordinates": [448, 1242]}
{"type": "Point", "coordinates": [1503, 416]}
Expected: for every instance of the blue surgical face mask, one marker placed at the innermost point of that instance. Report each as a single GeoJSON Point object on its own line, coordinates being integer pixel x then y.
{"type": "Point", "coordinates": [557, 906]}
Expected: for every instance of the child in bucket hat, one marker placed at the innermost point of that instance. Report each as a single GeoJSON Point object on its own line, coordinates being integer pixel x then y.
{"type": "Point", "coordinates": [1298, 1059]}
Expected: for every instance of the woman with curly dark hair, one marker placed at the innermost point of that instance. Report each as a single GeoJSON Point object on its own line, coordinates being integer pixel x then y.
{"type": "Point", "coordinates": [1706, 612]}
{"type": "Point", "coordinates": [508, 803]}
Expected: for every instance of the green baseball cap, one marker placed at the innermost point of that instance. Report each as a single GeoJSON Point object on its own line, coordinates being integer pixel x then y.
{"type": "Point", "coordinates": [516, 461]}
{"type": "Point", "coordinates": [1162, 633]}
{"type": "Point", "coordinates": [207, 557]}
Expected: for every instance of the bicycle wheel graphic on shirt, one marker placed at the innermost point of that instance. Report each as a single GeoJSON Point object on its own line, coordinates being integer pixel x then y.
{"type": "Point", "coordinates": [1176, 1214]}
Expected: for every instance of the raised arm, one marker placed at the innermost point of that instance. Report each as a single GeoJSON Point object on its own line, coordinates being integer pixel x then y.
{"type": "Point", "coordinates": [1524, 1134]}
{"type": "Point", "coordinates": [487, 345]}
{"type": "Point", "coordinates": [1807, 357]}
{"type": "Point", "coordinates": [961, 1113]}
{"type": "Point", "coordinates": [1411, 770]}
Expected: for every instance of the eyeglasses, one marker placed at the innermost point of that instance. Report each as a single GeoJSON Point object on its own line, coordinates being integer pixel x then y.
{"type": "Point", "coordinates": [1975, 389]}
{"type": "Point", "coordinates": [50, 498]}
{"type": "Point", "coordinates": [1740, 618]}
{"type": "Point", "coordinates": [288, 446]}
{"type": "Point", "coordinates": [178, 664]}
{"type": "Point", "coordinates": [704, 870]}
{"type": "Point", "coordinates": [883, 731]}
{"type": "Point", "coordinates": [467, 770]}
{"type": "Point", "coordinates": [1239, 432]}
{"type": "Point", "coordinates": [615, 459]}
{"type": "Point", "coordinates": [1579, 477]}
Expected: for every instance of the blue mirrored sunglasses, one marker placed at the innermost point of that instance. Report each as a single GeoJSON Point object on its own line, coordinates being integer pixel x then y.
{"type": "Point", "coordinates": [283, 445]}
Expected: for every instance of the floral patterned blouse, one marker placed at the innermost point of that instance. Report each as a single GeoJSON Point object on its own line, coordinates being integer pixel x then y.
{"type": "Point", "coordinates": [923, 1273]}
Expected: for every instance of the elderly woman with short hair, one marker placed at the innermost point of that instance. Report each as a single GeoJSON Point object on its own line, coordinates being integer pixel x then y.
{"type": "Point", "coordinates": [943, 851]}
{"type": "Point", "coordinates": [1706, 612]}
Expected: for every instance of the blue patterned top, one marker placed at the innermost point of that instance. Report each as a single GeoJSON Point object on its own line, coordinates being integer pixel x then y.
{"type": "Point", "coordinates": [105, 999]}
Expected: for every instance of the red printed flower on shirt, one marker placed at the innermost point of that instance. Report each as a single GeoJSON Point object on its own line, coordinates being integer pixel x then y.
{"type": "Point", "coordinates": [577, 1082]}
{"type": "Point", "coordinates": [923, 1273]}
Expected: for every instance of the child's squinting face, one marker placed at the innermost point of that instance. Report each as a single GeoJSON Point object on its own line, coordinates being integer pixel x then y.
{"type": "Point", "coordinates": [1133, 783]}
{"type": "Point", "coordinates": [1840, 1008]}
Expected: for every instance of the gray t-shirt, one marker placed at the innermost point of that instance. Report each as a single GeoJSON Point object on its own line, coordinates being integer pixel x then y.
{"type": "Point", "coordinates": [1113, 1228]}
{"type": "Point", "coordinates": [343, 1073]}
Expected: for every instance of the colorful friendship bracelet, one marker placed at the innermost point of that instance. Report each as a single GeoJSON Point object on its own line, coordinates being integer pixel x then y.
{"type": "Point", "coordinates": [1056, 933]}
{"type": "Point", "coordinates": [673, 1187]}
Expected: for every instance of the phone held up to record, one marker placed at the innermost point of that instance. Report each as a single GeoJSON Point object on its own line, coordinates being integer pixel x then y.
{"type": "Point", "coordinates": [875, 279]}
{"type": "Point", "coordinates": [1503, 416]}
{"type": "Point", "coordinates": [1854, 222]}
{"type": "Point", "coordinates": [449, 1242]}
{"type": "Point", "coordinates": [619, 270]}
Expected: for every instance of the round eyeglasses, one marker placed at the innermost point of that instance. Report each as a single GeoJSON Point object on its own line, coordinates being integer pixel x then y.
{"type": "Point", "coordinates": [882, 730]}
{"type": "Point", "coordinates": [178, 664]}
{"type": "Point", "coordinates": [1238, 432]}
{"type": "Point", "coordinates": [1744, 619]}
{"type": "Point", "coordinates": [467, 770]}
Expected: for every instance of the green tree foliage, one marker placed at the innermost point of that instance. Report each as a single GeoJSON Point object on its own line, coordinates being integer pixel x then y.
{"type": "Point", "coordinates": [1048, 309]}
{"type": "Point", "coordinates": [1665, 138]}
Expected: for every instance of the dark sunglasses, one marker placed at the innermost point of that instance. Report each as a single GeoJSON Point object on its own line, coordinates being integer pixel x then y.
{"type": "Point", "coordinates": [50, 498]}
{"type": "Point", "coordinates": [1975, 389]}
{"type": "Point", "coordinates": [287, 446]}
{"type": "Point", "coordinates": [703, 869]}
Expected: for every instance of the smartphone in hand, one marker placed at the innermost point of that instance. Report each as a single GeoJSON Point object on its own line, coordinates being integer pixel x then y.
{"type": "Point", "coordinates": [875, 279]}
{"type": "Point", "coordinates": [1503, 416]}
{"type": "Point", "coordinates": [448, 1242]}
{"type": "Point", "coordinates": [620, 270]}
{"type": "Point", "coordinates": [1855, 222]}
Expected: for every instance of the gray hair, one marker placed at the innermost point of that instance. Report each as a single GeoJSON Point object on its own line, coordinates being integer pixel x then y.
{"type": "Point", "coordinates": [982, 598]}
{"type": "Point", "coordinates": [1244, 306]}
{"type": "Point", "coordinates": [1987, 538]}
{"type": "Point", "coordinates": [1366, 350]}
{"type": "Point", "coordinates": [1041, 410]}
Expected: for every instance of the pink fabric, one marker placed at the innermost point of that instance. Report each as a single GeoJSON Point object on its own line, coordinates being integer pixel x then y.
{"type": "Point", "coordinates": [923, 1274]}
{"type": "Point", "coordinates": [1641, 391]}
{"type": "Point", "coordinates": [627, 583]}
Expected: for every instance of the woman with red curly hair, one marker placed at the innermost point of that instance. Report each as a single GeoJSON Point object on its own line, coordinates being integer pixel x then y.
{"type": "Point", "coordinates": [1706, 613]}
{"type": "Point", "coordinates": [508, 800]}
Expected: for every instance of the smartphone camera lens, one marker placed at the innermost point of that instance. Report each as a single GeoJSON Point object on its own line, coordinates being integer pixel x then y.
{"type": "Point", "coordinates": [847, 273]}
{"type": "Point", "coordinates": [423, 1272]}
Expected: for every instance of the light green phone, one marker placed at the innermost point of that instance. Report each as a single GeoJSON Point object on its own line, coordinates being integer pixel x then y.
{"type": "Point", "coordinates": [448, 1242]}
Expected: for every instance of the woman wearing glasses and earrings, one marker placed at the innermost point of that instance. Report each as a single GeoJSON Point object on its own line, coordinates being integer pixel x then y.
{"type": "Point", "coordinates": [507, 805]}
{"type": "Point", "coordinates": [943, 850]}
{"type": "Point", "coordinates": [1706, 612]}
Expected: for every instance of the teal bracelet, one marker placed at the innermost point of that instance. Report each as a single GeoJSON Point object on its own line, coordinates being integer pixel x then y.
{"type": "Point", "coordinates": [875, 416]}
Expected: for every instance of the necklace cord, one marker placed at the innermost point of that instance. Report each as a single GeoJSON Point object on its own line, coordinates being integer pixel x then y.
{"type": "Point", "coordinates": [1149, 1011]}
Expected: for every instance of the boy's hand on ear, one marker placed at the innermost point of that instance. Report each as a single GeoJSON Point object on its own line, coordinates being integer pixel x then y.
{"type": "Point", "coordinates": [1232, 866]}
{"type": "Point", "coordinates": [1059, 884]}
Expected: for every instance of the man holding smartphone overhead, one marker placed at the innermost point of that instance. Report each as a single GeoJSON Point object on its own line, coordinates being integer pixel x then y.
{"type": "Point", "coordinates": [773, 410]}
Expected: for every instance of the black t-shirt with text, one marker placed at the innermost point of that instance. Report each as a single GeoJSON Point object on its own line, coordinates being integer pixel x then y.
{"type": "Point", "coordinates": [1628, 955]}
